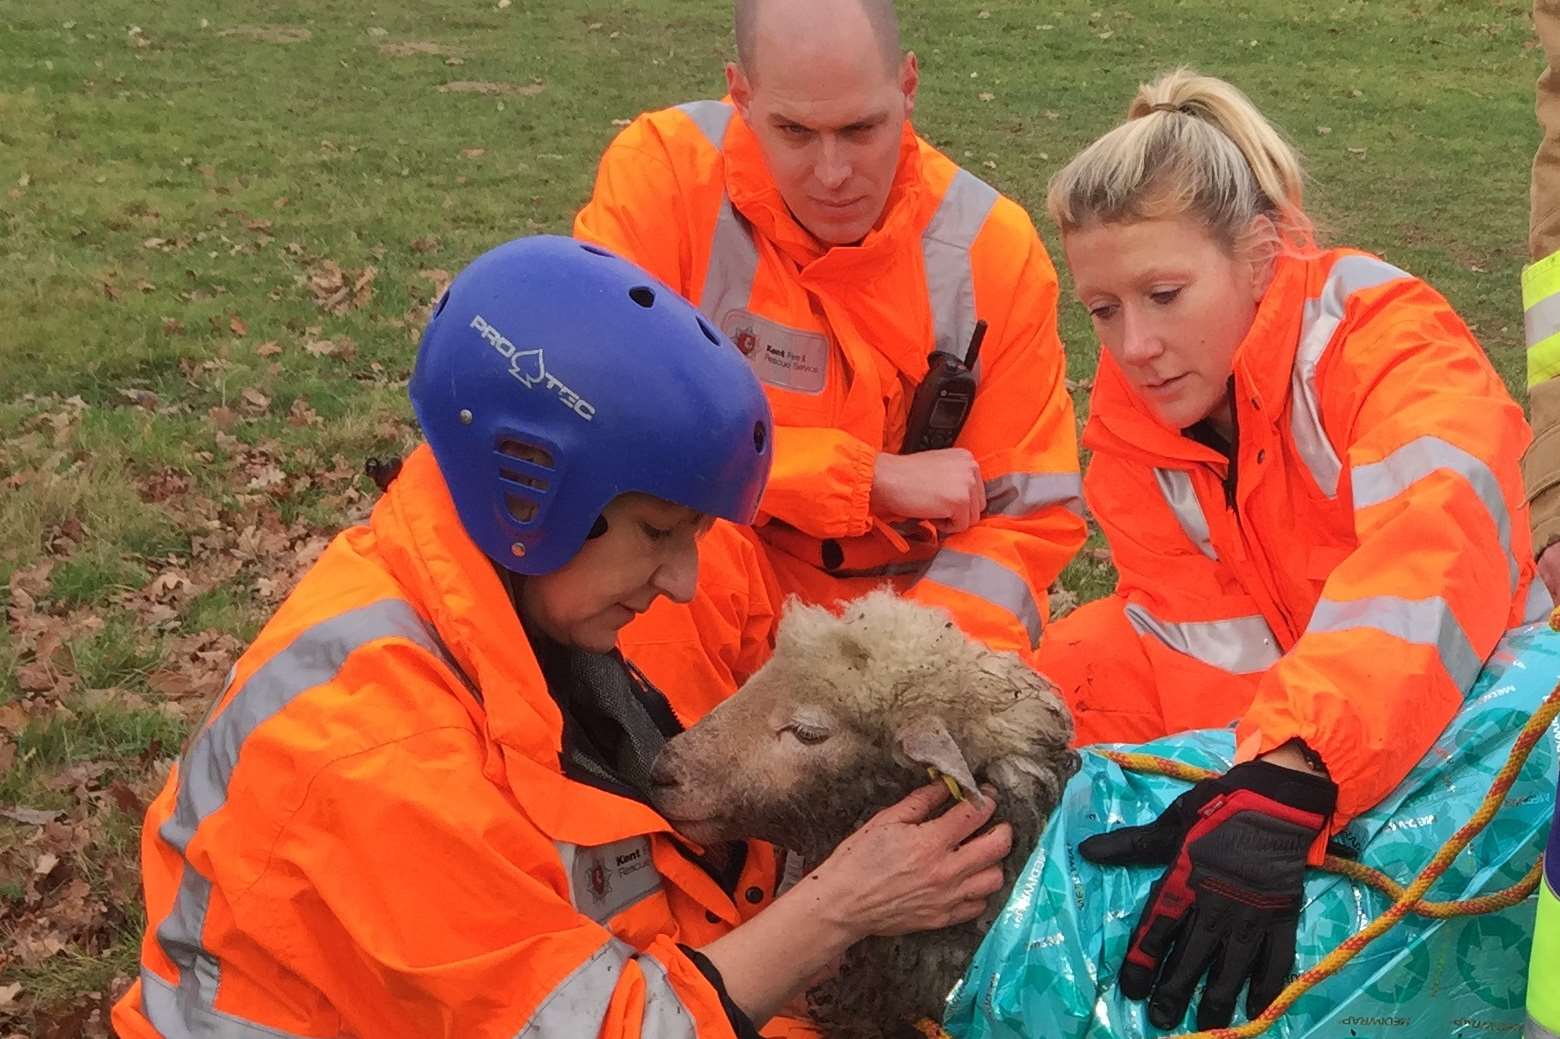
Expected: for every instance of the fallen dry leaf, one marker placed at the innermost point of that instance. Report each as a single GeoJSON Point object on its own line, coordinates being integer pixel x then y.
{"type": "Point", "coordinates": [440, 277]}
{"type": "Point", "coordinates": [237, 327]}
{"type": "Point", "coordinates": [37, 677]}
{"type": "Point", "coordinates": [255, 402]}
{"type": "Point", "coordinates": [139, 397]}
{"type": "Point", "coordinates": [300, 414]}
{"type": "Point", "coordinates": [269, 348]}
{"type": "Point", "coordinates": [343, 347]}
{"type": "Point", "coordinates": [13, 717]}
{"type": "Point", "coordinates": [469, 153]}
{"type": "Point", "coordinates": [31, 816]}
{"type": "Point", "coordinates": [338, 290]}
{"type": "Point", "coordinates": [46, 863]}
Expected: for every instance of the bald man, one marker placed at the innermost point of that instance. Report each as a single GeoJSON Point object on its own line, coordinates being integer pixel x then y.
{"type": "Point", "coordinates": [838, 250]}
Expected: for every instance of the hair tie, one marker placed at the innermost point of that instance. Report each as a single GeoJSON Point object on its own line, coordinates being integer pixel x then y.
{"type": "Point", "coordinates": [1166, 106]}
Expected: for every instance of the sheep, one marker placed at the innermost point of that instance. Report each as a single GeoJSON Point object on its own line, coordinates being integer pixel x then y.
{"type": "Point", "coordinates": [874, 698]}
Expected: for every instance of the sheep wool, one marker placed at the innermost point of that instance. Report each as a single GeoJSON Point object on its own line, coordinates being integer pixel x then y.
{"type": "Point", "coordinates": [844, 720]}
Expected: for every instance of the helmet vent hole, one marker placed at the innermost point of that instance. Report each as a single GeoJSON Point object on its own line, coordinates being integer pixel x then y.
{"type": "Point", "coordinates": [596, 250]}
{"type": "Point", "coordinates": [532, 453]}
{"type": "Point", "coordinates": [709, 331]}
{"type": "Point", "coordinates": [644, 295]}
{"type": "Point", "coordinates": [443, 302]}
{"type": "Point", "coordinates": [760, 437]}
{"type": "Point", "coordinates": [521, 510]}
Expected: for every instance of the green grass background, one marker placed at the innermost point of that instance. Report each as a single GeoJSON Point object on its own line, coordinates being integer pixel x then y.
{"type": "Point", "coordinates": [168, 168]}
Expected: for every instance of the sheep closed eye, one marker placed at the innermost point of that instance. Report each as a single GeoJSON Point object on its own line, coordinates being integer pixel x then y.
{"type": "Point", "coordinates": [807, 734]}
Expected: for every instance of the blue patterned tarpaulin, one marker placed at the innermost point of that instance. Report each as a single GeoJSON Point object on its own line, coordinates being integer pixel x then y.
{"type": "Point", "coordinates": [1047, 969]}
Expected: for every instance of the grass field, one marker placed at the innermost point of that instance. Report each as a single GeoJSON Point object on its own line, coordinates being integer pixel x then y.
{"type": "Point", "coordinates": [221, 224]}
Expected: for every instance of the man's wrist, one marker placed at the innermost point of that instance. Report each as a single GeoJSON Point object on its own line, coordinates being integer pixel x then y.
{"type": "Point", "coordinates": [1296, 754]}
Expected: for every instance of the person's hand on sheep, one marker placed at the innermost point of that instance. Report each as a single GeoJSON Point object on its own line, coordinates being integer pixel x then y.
{"type": "Point", "coordinates": [906, 869]}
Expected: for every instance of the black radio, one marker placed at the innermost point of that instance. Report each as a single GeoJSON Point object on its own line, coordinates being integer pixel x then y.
{"type": "Point", "coordinates": [943, 400]}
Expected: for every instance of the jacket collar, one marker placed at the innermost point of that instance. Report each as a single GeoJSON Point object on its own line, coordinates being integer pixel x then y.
{"type": "Point", "coordinates": [755, 195]}
{"type": "Point", "coordinates": [449, 579]}
{"type": "Point", "coordinates": [1121, 424]}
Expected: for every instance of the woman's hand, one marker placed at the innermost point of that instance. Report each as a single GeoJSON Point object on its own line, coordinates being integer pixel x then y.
{"type": "Point", "coordinates": [905, 871]}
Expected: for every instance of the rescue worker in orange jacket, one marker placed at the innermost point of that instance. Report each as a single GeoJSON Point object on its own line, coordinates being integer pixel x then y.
{"type": "Point", "coordinates": [838, 249]}
{"type": "Point", "coordinates": [419, 808]}
{"type": "Point", "coordinates": [1309, 476]}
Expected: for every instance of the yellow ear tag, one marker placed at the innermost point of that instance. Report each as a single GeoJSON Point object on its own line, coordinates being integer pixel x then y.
{"type": "Point", "coordinates": [948, 781]}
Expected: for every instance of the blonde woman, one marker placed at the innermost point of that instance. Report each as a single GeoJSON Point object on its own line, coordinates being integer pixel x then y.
{"type": "Point", "coordinates": [1309, 476]}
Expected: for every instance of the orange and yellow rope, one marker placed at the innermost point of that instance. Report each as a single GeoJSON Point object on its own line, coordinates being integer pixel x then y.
{"type": "Point", "coordinates": [1406, 900]}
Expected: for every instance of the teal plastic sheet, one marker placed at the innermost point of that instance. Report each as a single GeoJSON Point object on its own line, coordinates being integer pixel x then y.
{"type": "Point", "coordinates": [1047, 969]}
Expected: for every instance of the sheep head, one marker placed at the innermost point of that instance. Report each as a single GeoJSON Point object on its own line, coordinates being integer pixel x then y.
{"type": "Point", "coordinates": [851, 713]}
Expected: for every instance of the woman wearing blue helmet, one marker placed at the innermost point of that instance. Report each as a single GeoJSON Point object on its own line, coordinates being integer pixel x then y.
{"type": "Point", "coordinates": [419, 808]}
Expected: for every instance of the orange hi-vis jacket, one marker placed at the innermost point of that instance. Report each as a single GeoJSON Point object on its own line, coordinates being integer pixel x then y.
{"type": "Point", "coordinates": [372, 833]}
{"type": "Point", "coordinates": [840, 336]}
{"type": "Point", "coordinates": [1344, 580]}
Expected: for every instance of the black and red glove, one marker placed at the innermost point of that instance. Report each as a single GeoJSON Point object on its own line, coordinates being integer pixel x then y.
{"type": "Point", "coordinates": [1229, 903]}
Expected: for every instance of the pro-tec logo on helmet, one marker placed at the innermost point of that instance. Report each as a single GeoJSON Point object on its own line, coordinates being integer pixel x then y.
{"type": "Point", "coordinates": [529, 370]}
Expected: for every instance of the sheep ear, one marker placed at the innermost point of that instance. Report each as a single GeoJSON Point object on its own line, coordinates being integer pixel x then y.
{"type": "Point", "coordinates": [926, 741]}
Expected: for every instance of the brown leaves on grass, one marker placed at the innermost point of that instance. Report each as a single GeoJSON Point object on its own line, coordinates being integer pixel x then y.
{"type": "Point", "coordinates": [436, 279]}
{"type": "Point", "coordinates": [337, 290]}
{"type": "Point", "coordinates": [342, 347]}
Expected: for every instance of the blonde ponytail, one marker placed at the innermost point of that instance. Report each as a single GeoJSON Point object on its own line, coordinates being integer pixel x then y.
{"type": "Point", "coordinates": [1192, 146]}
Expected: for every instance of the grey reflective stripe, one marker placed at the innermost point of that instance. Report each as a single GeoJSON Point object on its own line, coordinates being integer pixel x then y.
{"type": "Point", "coordinates": [1533, 1030]}
{"type": "Point", "coordinates": [311, 659]}
{"type": "Point", "coordinates": [733, 263]}
{"type": "Point", "coordinates": [1539, 605]}
{"type": "Point", "coordinates": [1319, 321]}
{"type": "Point", "coordinates": [1239, 645]}
{"type": "Point", "coordinates": [989, 580]}
{"type": "Point", "coordinates": [711, 117]}
{"type": "Point", "coordinates": [665, 1017]}
{"type": "Point", "coordinates": [1022, 494]}
{"type": "Point", "coordinates": [579, 1004]}
{"type": "Point", "coordinates": [1176, 486]}
{"type": "Point", "coordinates": [175, 1018]}
{"type": "Point", "coordinates": [1542, 319]}
{"type": "Point", "coordinates": [1411, 462]}
{"type": "Point", "coordinates": [1423, 622]}
{"type": "Point", "coordinates": [945, 250]}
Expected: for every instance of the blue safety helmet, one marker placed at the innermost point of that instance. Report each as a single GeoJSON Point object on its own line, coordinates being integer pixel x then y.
{"type": "Point", "coordinates": [555, 376]}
